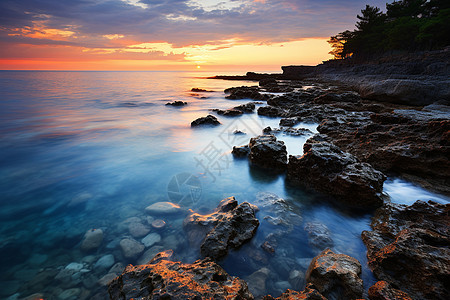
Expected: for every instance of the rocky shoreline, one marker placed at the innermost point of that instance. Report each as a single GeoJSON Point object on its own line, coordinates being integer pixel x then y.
{"type": "Point", "coordinates": [370, 127]}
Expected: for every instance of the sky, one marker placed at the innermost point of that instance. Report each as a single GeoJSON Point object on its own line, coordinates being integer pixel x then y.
{"type": "Point", "coordinates": [251, 35]}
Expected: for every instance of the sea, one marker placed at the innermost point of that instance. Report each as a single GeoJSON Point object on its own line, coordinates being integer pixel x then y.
{"type": "Point", "coordinates": [87, 151]}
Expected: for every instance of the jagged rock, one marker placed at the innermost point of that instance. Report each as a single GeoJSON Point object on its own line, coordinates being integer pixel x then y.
{"type": "Point", "coordinates": [241, 151]}
{"type": "Point", "coordinates": [208, 120]}
{"type": "Point", "coordinates": [309, 293]}
{"type": "Point", "coordinates": [271, 111]}
{"type": "Point", "coordinates": [319, 235]}
{"type": "Point", "coordinates": [409, 248]}
{"type": "Point", "coordinates": [229, 226]}
{"type": "Point", "coordinates": [246, 108]}
{"type": "Point", "coordinates": [328, 169]}
{"type": "Point", "coordinates": [92, 239]}
{"type": "Point", "coordinates": [268, 82]}
{"type": "Point", "coordinates": [289, 131]}
{"type": "Point", "coordinates": [267, 152]}
{"type": "Point", "coordinates": [289, 121]}
{"type": "Point", "coordinates": [245, 92]}
{"type": "Point", "coordinates": [177, 103]}
{"type": "Point", "coordinates": [229, 112]}
{"type": "Point", "coordinates": [336, 276]}
{"type": "Point", "coordinates": [165, 279]}
{"type": "Point", "coordinates": [384, 291]}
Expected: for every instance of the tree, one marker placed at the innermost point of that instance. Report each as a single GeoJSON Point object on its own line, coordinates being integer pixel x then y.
{"type": "Point", "coordinates": [338, 43]}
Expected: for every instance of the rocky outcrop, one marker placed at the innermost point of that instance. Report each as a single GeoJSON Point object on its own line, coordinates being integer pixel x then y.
{"type": "Point", "coordinates": [271, 111]}
{"type": "Point", "coordinates": [246, 108]}
{"type": "Point", "coordinates": [208, 120]}
{"type": "Point", "coordinates": [267, 152]}
{"type": "Point", "coordinates": [228, 227]}
{"type": "Point", "coordinates": [326, 168]}
{"type": "Point", "coordinates": [412, 143]}
{"type": "Point", "coordinates": [241, 151]}
{"type": "Point", "coordinates": [309, 293]}
{"type": "Point", "coordinates": [336, 276]}
{"type": "Point", "coordinates": [162, 278]}
{"type": "Point", "coordinates": [228, 112]}
{"type": "Point", "coordinates": [384, 291]}
{"type": "Point", "coordinates": [409, 247]}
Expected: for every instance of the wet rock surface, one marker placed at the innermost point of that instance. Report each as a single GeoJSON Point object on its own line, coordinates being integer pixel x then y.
{"type": "Point", "coordinates": [336, 276]}
{"type": "Point", "coordinates": [228, 227]}
{"type": "Point", "coordinates": [309, 293]}
{"type": "Point", "coordinates": [328, 169]}
{"type": "Point", "coordinates": [245, 92]}
{"type": "Point", "coordinates": [177, 103]}
{"type": "Point", "coordinates": [162, 278]}
{"type": "Point", "coordinates": [208, 120]}
{"type": "Point", "coordinates": [267, 152]}
{"type": "Point", "coordinates": [409, 248]}
{"type": "Point", "coordinates": [384, 291]}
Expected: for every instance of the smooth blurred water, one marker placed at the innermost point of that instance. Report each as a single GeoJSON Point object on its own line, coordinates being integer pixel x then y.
{"type": "Point", "coordinates": [87, 150]}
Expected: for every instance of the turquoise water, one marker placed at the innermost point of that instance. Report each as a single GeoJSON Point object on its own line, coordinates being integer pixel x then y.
{"type": "Point", "coordinates": [91, 150]}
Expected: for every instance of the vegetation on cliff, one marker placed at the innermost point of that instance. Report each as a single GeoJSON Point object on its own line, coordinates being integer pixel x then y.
{"type": "Point", "coordinates": [407, 25]}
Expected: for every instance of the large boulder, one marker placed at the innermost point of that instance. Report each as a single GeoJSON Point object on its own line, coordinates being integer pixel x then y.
{"type": "Point", "coordinates": [336, 276]}
{"type": "Point", "coordinates": [229, 226]}
{"type": "Point", "coordinates": [267, 152]}
{"type": "Point", "coordinates": [409, 247]}
{"type": "Point", "coordinates": [326, 168]}
{"type": "Point", "coordinates": [165, 279]}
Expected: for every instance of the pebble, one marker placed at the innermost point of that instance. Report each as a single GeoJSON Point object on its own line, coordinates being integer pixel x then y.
{"type": "Point", "coordinates": [138, 230]}
{"type": "Point", "coordinates": [131, 248]}
{"type": "Point", "coordinates": [92, 239]}
{"type": "Point", "coordinates": [105, 280]}
{"type": "Point", "coordinates": [70, 294]}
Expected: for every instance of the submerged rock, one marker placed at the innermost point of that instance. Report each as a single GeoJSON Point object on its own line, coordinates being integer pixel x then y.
{"type": "Point", "coordinates": [336, 276]}
{"type": "Point", "coordinates": [229, 226]}
{"type": "Point", "coordinates": [328, 169]}
{"type": "Point", "coordinates": [267, 152]}
{"type": "Point", "coordinates": [208, 120]}
{"type": "Point", "coordinates": [131, 248]}
{"type": "Point", "coordinates": [319, 235]}
{"type": "Point", "coordinates": [92, 239]}
{"type": "Point", "coordinates": [161, 208]}
{"type": "Point", "coordinates": [409, 248]}
{"type": "Point", "coordinates": [165, 279]}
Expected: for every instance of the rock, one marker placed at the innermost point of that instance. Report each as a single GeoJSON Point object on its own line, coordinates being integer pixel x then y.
{"type": "Point", "coordinates": [268, 82]}
{"type": "Point", "coordinates": [297, 279]}
{"type": "Point", "coordinates": [409, 248]}
{"type": "Point", "coordinates": [208, 120]}
{"type": "Point", "coordinates": [105, 280]}
{"type": "Point", "coordinates": [165, 279]}
{"type": "Point", "coordinates": [177, 103]}
{"type": "Point", "coordinates": [336, 276]}
{"type": "Point", "coordinates": [163, 208]}
{"type": "Point", "coordinates": [246, 108]}
{"type": "Point", "coordinates": [289, 131]}
{"type": "Point", "coordinates": [319, 235]}
{"type": "Point", "coordinates": [70, 294]}
{"type": "Point", "coordinates": [245, 92]}
{"type": "Point", "coordinates": [289, 121]}
{"type": "Point", "coordinates": [229, 112]}
{"type": "Point", "coordinates": [309, 293]}
{"type": "Point", "coordinates": [149, 254]}
{"type": "Point", "coordinates": [257, 282]}
{"type": "Point", "coordinates": [271, 111]}
{"type": "Point", "coordinates": [328, 169]}
{"type": "Point", "coordinates": [242, 151]}
{"type": "Point", "coordinates": [151, 239]}
{"type": "Point", "coordinates": [268, 247]}
{"type": "Point", "coordinates": [74, 266]}
{"type": "Point", "coordinates": [239, 132]}
{"type": "Point", "coordinates": [228, 227]}
{"type": "Point", "coordinates": [131, 248]}
{"type": "Point", "coordinates": [383, 291]}
{"type": "Point", "coordinates": [117, 268]}
{"type": "Point", "coordinates": [92, 239]}
{"type": "Point", "coordinates": [267, 152]}
{"type": "Point", "coordinates": [158, 224]}
{"type": "Point", "coordinates": [198, 90]}
{"type": "Point", "coordinates": [104, 262]}
{"type": "Point", "coordinates": [138, 230]}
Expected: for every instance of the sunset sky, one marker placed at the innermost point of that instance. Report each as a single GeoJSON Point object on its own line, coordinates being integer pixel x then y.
{"type": "Point", "coordinates": [254, 35]}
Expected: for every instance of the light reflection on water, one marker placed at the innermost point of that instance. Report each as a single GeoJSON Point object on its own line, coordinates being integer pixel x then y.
{"type": "Point", "coordinates": [84, 150]}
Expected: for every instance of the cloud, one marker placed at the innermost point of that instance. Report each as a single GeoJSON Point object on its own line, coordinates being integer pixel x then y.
{"type": "Point", "coordinates": [118, 24]}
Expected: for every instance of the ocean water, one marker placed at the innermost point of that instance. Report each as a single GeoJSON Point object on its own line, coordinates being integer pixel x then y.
{"type": "Point", "coordinates": [91, 150]}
